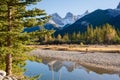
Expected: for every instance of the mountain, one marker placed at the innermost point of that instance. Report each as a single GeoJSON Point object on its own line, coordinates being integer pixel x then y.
{"type": "Point", "coordinates": [75, 23]}
{"type": "Point", "coordinates": [56, 19]}
{"type": "Point", "coordinates": [68, 19]}
{"type": "Point", "coordinates": [118, 7]}
{"type": "Point", "coordinates": [96, 18]}
{"type": "Point", "coordinates": [116, 21]}
{"type": "Point", "coordinates": [32, 29]}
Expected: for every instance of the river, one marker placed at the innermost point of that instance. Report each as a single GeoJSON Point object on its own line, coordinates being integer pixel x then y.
{"type": "Point", "coordinates": [51, 69]}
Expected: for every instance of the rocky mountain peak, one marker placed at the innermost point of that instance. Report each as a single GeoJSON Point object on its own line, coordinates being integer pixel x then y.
{"type": "Point", "coordinates": [57, 19]}
{"type": "Point", "coordinates": [118, 7]}
{"type": "Point", "coordinates": [69, 15]}
{"type": "Point", "coordinates": [86, 12]}
{"type": "Point", "coordinates": [69, 18]}
{"type": "Point", "coordinates": [56, 15]}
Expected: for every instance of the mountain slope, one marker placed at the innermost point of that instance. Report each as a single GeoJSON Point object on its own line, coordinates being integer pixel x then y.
{"type": "Point", "coordinates": [32, 29]}
{"type": "Point", "coordinates": [68, 19]}
{"type": "Point", "coordinates": [56, 19]}
{"type": "Point", "coordinates": [116, 21]}
{"type": "Point", "coordinates": [118, 7]}
{"type": "Point", "coordinates": [96, 18]}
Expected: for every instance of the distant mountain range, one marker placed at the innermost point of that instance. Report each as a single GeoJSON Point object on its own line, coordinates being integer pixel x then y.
{"type": "Point", "coordinates": [75, 23]}
{"type": "Point", "coordinates": [96, 18]}
{"type": "Point", "coordinates": [68, 19]}
{"type": "Point", "coordinates": [32, 29]}
{"type": "Point", "coordinates": [57, 22]}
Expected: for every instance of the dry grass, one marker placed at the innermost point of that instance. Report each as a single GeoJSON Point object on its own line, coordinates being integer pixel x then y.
{"type": "Point", "coordinates": [84, 48]}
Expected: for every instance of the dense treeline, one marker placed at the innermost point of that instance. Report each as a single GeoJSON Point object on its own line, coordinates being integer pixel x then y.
{"type": "Point", "coordinates": [105, 34]}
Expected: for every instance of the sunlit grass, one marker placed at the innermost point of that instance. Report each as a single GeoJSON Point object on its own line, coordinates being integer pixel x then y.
{"type": "Point", "coordinates": [82, 48]}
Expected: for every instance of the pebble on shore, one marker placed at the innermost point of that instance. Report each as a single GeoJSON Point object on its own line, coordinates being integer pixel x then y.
{"type": "Point", "coordinates": [4, 77]}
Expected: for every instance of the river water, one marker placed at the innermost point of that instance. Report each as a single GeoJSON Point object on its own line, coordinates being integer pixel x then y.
{"type": "Point", "coordinates": [50, 69]}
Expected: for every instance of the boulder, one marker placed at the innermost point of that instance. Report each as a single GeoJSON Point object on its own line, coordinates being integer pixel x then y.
{"type": "Point", "coordinates": [13, 78]}
{"type": "Point", "coordinates": [4, 77]}
{"type": "Point", "coordinates": [2, 73]}
{"type": "Point", "coordinates": [1, 77]}
{"type": "Point", "coordinates": [7, 78]}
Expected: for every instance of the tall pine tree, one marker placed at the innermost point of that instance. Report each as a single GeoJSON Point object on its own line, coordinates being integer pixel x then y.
{"type": "Point", "coordinates": [13, 18]}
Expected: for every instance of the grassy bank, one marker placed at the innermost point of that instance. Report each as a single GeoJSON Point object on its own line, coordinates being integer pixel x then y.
{"type": "Point", "coordinates": [81, 48]}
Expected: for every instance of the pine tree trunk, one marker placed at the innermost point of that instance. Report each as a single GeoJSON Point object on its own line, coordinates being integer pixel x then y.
{"type": "Point", "coordinates": [9, 56]}
{"type": "Point", "coordinates": [9, 64]}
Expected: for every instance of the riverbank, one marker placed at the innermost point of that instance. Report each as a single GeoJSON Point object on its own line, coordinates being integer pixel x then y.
{"type": "Point", "coordinates": [81, 48]}
{"type": "Point", "coordinates": [107, 61]}
{"type": "Point", "coordinates": [3, 76]}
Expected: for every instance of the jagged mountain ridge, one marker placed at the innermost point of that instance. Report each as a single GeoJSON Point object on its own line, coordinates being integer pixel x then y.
{"type": "Point", "coordinates": [96, 18]}
{"type": "Point", "coordinates": [82, 23]}
{"type": "Point", "coordinates": [70, 18]}
{"type": "Point", "coordinates": [118, 7]}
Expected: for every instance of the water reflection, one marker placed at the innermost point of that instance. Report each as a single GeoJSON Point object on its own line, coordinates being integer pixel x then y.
{"type": "Point", "coordinates": [58, 64]}
{"type": "Point", "coordinates": [65, 70]}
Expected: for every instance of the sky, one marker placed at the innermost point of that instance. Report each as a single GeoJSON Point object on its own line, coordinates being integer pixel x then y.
{"type": "Point", "coordinates": [77, 7]}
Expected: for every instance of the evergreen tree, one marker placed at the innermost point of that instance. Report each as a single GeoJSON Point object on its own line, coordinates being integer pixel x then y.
{"type": "Point", "coordinates": [105, 34]}
{"type": "Point", "coordinates": [13, 18]}
{"type": "Point", "coordinates": [48, 35]}
{"type": "Point", "coordinates": [59, 37]}
{"type": "Point", "coordinates": [89, 34]}
{"type": "Point", "coordinates": [98, 35]}
{"type": "Point", "coordinates": [73, 37]}
{"type": "Point", "coordinates": [109, 33]}
{"type": "Point", "coordinates": [66, 37]}
{"type": "Point", "coordinates": [78, 36]}
{"type": "Point", "coordinates": [117, 37]}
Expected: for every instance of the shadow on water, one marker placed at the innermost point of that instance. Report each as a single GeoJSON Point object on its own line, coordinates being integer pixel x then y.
{"type": "Point", "coordinates": [51, 69]}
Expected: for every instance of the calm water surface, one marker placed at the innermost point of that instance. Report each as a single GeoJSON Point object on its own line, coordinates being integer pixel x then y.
{"type": "Point", "coordinates": [66, 70]}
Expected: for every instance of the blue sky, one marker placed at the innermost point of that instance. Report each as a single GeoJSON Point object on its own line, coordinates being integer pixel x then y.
{"type": "Point", "coordinates": [77, 7]}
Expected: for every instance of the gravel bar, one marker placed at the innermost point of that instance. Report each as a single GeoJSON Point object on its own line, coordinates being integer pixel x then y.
{"type": "Point", "coordinates": [109, 61]}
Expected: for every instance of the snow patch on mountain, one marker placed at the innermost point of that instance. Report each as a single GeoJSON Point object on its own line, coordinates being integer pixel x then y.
{"type": "Point", "coordinates": [84, 23]}
{"type": "Point", "coordinates": [68, 19]}
{"type": "Point", "coordinates": [118, 7]}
